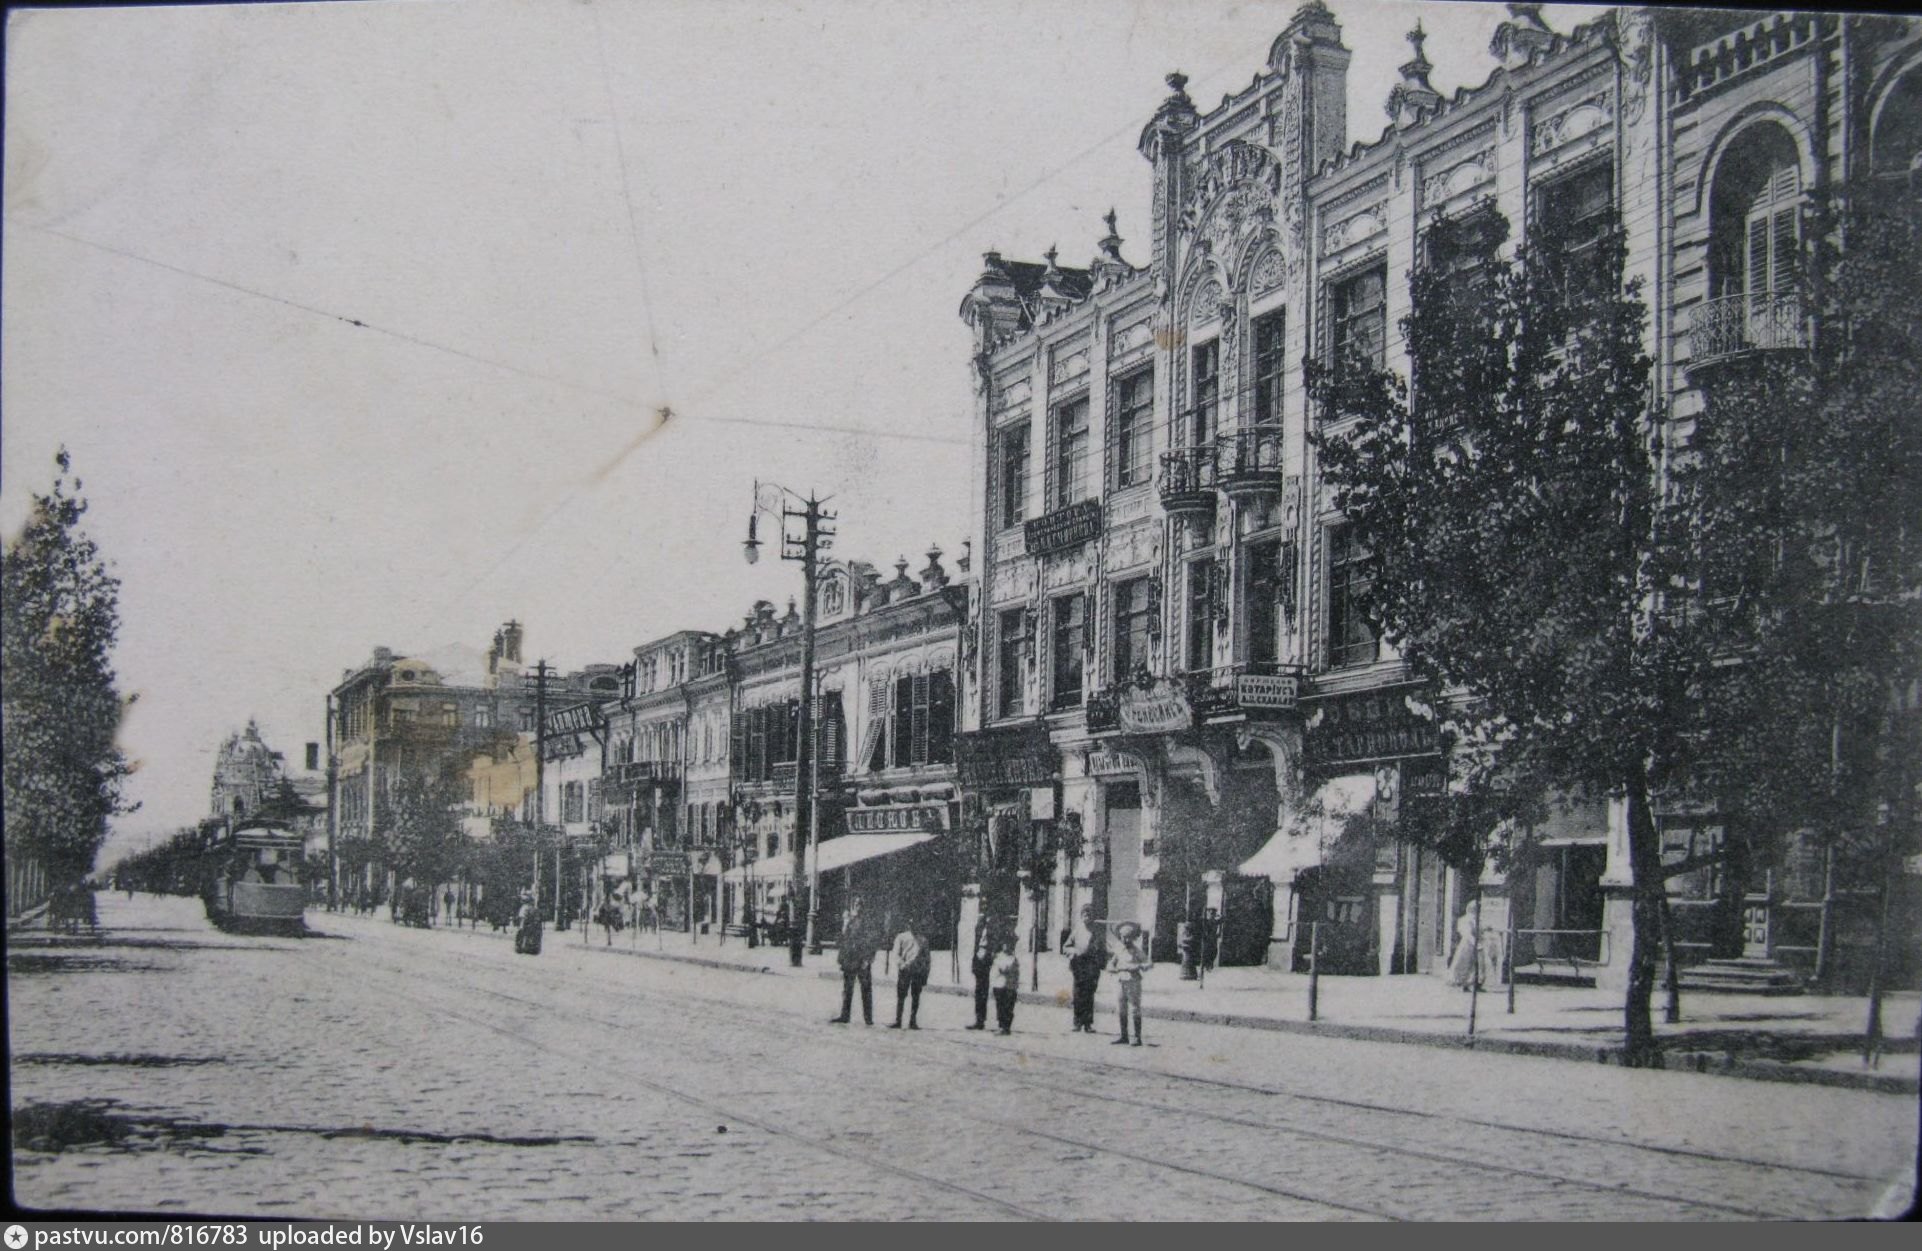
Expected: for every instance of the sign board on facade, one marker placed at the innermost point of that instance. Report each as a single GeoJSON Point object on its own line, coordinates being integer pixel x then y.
{"type": "Point", "coordinates": [1382, 724]}
{"type": "Point", "coordinates": [1161, 709]}
{"type": "Point", "coordinates": [1101, 763]}
{"type": "Point", "coordinates": [1063, 528]}
{"type": "Point", "coordinates": [1021, 756]}
{"type": "Point", "coordinates": [1265, 690]}
{"type": "Point", "coordinates": [667, 863]}
{"type": "Point", "coordinates": [906, 818]}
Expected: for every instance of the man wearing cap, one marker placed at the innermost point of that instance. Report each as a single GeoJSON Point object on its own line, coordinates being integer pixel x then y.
{"type": "Point", "coordinates": [856, 956]}
{"type": "Point", "coordinates": [1129, 962]}
{"type": "Point", "coordinates": [1085, 965]}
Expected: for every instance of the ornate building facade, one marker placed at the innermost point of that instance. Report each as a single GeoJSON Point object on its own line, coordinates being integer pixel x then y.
{"type": "Point", "coordinates": [1178, 706]}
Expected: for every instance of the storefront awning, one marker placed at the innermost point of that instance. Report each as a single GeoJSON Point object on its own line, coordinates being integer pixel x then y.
{"type": "Point", "coordinates": [1299, 844]}
{"type": "Point", "coordinates": [835, 853]}
{"type": "Point", "coordinates": [839, 853]}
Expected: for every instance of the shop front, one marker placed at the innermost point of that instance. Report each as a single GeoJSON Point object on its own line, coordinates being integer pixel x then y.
{"type": "Point", "coordinates": [1010, 780]}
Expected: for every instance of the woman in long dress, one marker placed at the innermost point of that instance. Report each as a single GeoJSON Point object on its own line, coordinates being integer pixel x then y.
{"type": "Point", "coordinates": [1462, 969]}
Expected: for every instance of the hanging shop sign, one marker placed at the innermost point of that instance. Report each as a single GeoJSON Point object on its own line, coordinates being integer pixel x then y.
{"type": "Point", "coordinates": [580, 719]}
{"type": "Point", "coordinates": [900, 819]}
{"type": "Point", "coordinates": [1267, 691]}
{"type": "Point", "coordinates": [1383, 724]}
{"type": "Point", "coordinates": [1063, 528]}
{"type": "Point", "coordinates": [1021, 756]}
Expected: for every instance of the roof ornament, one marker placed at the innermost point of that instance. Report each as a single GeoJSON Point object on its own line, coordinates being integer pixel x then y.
{"type": "Point", "coordinates": [1522, 37]}
{"type": "Point", "coordinates": [1413, 98]}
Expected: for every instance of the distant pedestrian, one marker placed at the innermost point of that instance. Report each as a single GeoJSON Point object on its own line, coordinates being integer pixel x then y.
{"type": "Point", "coordinates": [527, 931]}
{"type": "Point", "coordinates": [1007, 983]}
{"type": "Point", "coordinates": [1129, 963]}
{"type": "Point", "coordinates": [1210, 939]}
{"type": "Point", "coordinates": [982, 966]}
{"type": "Point", "coordinates": [856, 958]}
{"type": "Point", "coordinates": [912, 961]}
{"type": "Point", "coordinates": [1090, 956]}
{"type": "Point", "coordinates": [447, 907]}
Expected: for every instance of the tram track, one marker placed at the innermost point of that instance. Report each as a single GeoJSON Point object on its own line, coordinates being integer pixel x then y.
{"type": "Point", "coordinates": [975, 1063]}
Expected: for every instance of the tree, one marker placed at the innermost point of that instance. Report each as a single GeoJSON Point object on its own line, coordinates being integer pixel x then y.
{"type": "Point", "coordinates": [1804, 480]}
{"type": "Point", "coordinates": [1516, 539]}
{"type": "Point", "coordinates": [424, 835]}
{"type": "Point", "coordinates": [59, 616]}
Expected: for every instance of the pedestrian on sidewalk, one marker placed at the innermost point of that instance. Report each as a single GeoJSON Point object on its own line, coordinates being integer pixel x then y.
{"type": "Point", "coordinates": [527, 933]}
{"type": "Point", "coordinates": [1090, 941]}
{"type": "Point", "coordinates": [1007, 982]}
{"type": "Point", "coordinates": [1465, 968]}
{"type": "Point", "coordinates": [856, 957]}
{"type": "Point", "coordinates": [912, 961]}
{"type": "Point", "coordinates": [1129, 964]}
{"type": "Point", "coordinates": [983, 968]}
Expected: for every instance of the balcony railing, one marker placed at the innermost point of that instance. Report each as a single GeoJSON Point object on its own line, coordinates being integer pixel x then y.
{"type": "Point", "coordinates": [1735, 324]}
{"type": "Point", "coordinates": [1250, 460]}
{"type": "Point", "coordinates": [1188, 479]}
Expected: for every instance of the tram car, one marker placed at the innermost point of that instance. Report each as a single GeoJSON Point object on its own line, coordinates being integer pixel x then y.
{"type": "Point", "coordinates": [249, 880]}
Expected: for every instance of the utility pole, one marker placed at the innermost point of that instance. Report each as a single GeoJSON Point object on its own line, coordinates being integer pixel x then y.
{"type": "Point", "coordinates": [333, 811]}
{"type": "Point", "coordinates": [815, 537]}
{"type": "Point", "coordinates": [540, 783]}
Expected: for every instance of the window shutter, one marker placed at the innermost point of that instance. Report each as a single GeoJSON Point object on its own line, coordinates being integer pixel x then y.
{"type": "Point", "coordinates": [1782, 245]}
{"type": "Point", "coordinates": [918, 752]}
{"type": "Point", "coordinates": [901, 739]}
{"type": "Point", "coordinates": [876, 727]}
{"type": "Point", "coordinates": [941, 717]}
{"type": "Point", "coordinates": [1758, 285]}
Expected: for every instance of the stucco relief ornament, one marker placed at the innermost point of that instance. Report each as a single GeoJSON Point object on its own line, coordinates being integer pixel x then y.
{"type": "Point", "coordinates": [1634, 39]}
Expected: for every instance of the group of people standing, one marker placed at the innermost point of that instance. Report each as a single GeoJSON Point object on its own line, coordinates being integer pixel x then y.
{"type": "Point", "coordinates": [997, 971]}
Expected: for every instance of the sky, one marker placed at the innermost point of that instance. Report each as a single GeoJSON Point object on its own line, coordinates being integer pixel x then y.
{"type": "Point", "coordinates": [358, 318]}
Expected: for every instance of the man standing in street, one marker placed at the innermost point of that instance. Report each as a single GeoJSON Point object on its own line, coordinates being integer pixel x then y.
{"type": "Point", "coordinates": [1085, 965]}
{"type": "Point", "coordinates": [1130, 962]}
{"type": "Point", "coordinates": [1007, 985]}
{"type": "Point", "coordinates": [912, 961]}
{"type": "Point", "coordinates": [983, 967]}
{"type": "Point", "coordinates": [856, 957]}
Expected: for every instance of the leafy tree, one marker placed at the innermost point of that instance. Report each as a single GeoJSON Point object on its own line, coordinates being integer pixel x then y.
{"type": "Point", "coordinates": [59, 616]}
{"type": "Point", "coordinates": [1516, 539]}
{"type": "Point", "coordinates": [424, 835]}
{"type": "Point", "coordinates": [1804, 478]}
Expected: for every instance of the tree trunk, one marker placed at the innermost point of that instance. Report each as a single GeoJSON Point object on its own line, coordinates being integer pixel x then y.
{"type": "Point", "coordinates": [1645, 868]}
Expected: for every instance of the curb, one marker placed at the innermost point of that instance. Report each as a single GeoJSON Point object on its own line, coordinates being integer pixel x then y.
{"type": "Point", "coordinates": [1710, 1063]}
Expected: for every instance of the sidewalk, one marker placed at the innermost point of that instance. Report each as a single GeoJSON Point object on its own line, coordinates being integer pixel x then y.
{"type": "Point", "coordinates": [1807, 1038]}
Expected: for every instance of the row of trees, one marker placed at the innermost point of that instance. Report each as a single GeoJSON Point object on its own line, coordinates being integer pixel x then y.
{"type": "Point", "coordinates": [59, 615]}
{"type": "Point", "coordinates": [1625, 608]}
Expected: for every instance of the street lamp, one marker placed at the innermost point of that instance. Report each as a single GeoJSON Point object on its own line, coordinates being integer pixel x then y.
{"type": "Point", "coordinates": [815, 537]}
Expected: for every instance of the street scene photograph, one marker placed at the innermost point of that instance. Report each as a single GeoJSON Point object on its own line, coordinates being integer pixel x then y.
{"type": "Point", "coordinates": [1040, 610]}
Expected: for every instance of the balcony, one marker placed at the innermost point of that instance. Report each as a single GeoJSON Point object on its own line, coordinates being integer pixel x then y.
{"type": "Point", "coordinates": [1736, 325]}
{"type": "Point", "coordinates": [1250, 462]}
{"type": "Point", "coordinates": [1188, 481]}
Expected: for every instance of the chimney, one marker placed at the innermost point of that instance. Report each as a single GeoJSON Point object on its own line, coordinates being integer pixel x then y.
{"type": "Point", "coordinates": [511, 642]}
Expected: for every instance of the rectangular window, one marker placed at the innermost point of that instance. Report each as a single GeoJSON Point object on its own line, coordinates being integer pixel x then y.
{"type": "Point", "coordinates": [1350, 639]}
{"type": "Point", "coordinates": [1269, 367]}
{"type": "Point", "coordinates": [483, 716]}
{"type": "Point", "coordinates": [1131, 613]}
{"type": "Point", "coordinates": [903, 733]}
{"type": "Point", "coordinates": [1014, 474]}
{"type": "Point", "coordinates": [1574, 213]}
{"type": "Point", "coordinates": [941, 707]}
{"type": "Point", "coordinates": [874, 739]}
{"type": "Point", "coordinates": [1070, 453]}
{"type": "Point", "coordinates": [1134, 415]}
{"type": "Point", "coordinates": [1358, 313]}
{"type": "Point", "coordinates": [1263, 608]}
{"type": "Point", "coordinates": [571, 803]}
{"type": "Point", "coordinates": [1070, 640]}
{"type": "Point", "coordinates": [1201, 616]}
{"type": "Point", "coordinates": [1009, 640]}
{"type": "Point", "coordinates": [1207, 393]}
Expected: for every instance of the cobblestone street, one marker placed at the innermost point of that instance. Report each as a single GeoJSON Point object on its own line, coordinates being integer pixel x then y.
{"type": "Point", "coordinates": [373, 1071]}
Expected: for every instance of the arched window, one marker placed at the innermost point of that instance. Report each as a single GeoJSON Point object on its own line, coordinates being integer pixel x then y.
{"type": "Point", "coordinates": [1755, 247]}
{"type": "Point", "coordinates": [1895, 147]}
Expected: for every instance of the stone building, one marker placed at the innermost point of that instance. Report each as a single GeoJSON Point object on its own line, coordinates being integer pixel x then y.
{"type": "Point", "coordinates": [1177, 705]}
